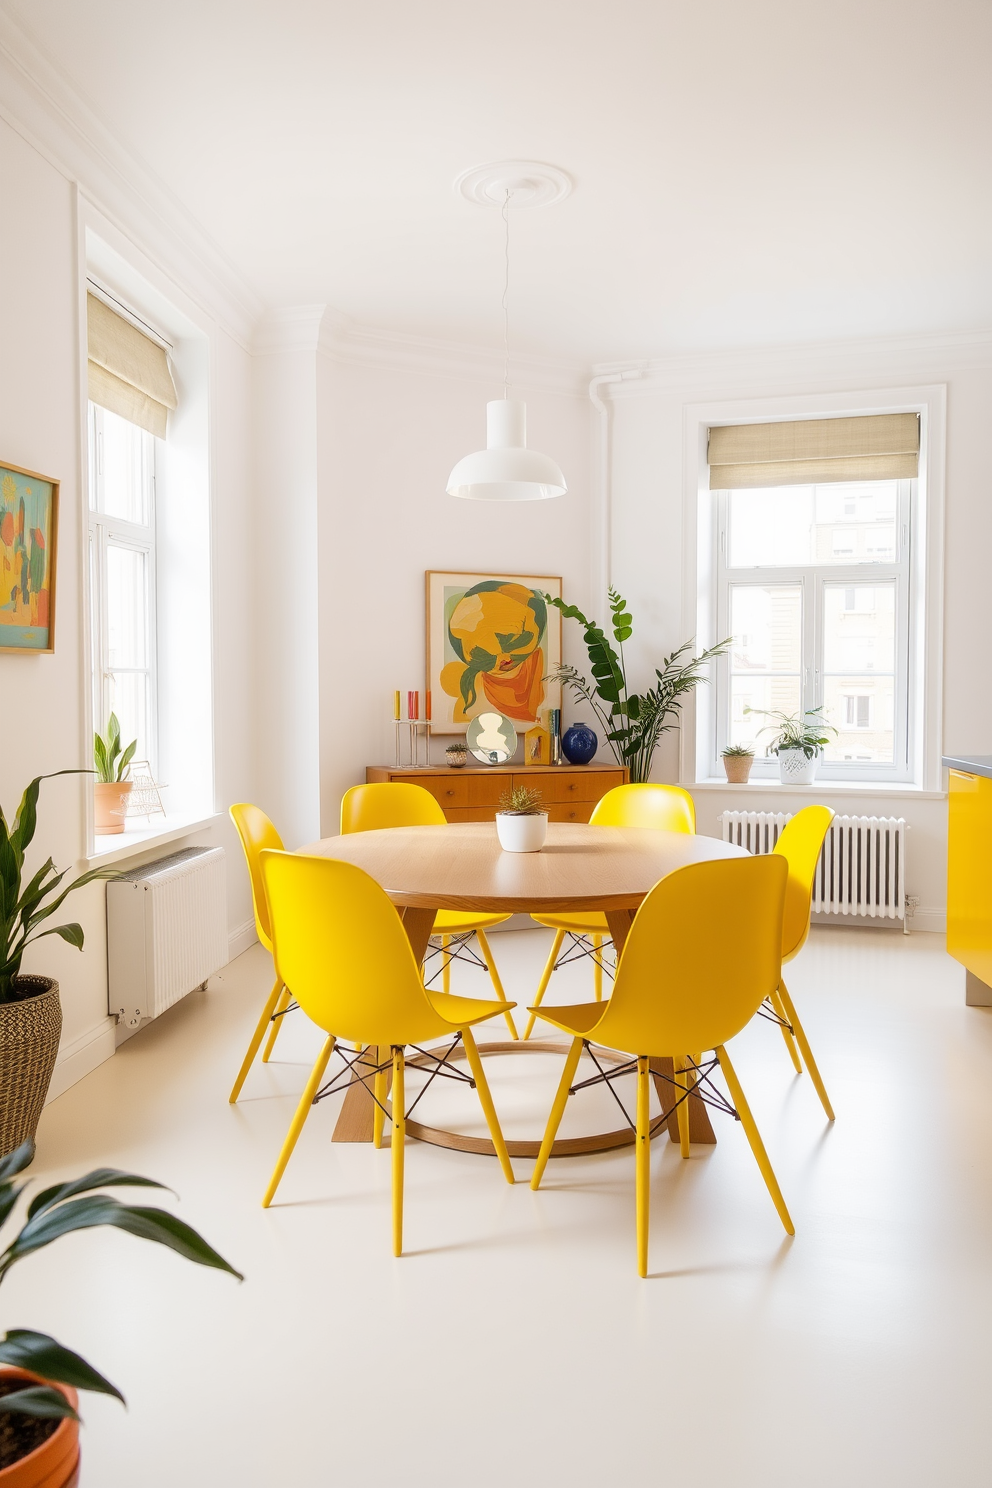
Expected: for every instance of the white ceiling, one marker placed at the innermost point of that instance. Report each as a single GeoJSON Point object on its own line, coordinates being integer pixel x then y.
{"type": "Point", "coordinates": [746, 171]}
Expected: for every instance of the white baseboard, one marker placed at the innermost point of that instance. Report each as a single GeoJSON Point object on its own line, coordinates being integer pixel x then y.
{"type": "Point", "coordinates": [240, 939]}
{"type": "Point", "coordinates": [82, 1055]}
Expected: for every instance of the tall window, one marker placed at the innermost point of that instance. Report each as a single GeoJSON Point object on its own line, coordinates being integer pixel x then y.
{"type": "Point", "coordinates": [813, 585]}
{"type": "Point", "coordinates": [122, 576]}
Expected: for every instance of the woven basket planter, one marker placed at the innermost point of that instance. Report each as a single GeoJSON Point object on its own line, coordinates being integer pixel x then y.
{"type": "Point", "coordinates": [30, 1029]}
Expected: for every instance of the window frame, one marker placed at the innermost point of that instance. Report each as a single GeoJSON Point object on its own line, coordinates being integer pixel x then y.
{"type": "Point", "coordinates": [105, 531]}
{"type": "Point", "coordinates": [812, 581]}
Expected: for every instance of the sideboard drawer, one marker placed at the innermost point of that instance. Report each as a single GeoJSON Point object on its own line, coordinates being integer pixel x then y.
{"type": "Point", "coordinates": [450, 789]}
{"type": "Point", "coordinates": [577, 811]}
{"type": "Point", "coordinates": [485, 790]}
{"type": "Point", "coordinates": [573, 785]}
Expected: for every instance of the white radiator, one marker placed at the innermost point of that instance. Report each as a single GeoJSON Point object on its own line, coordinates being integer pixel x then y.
{"type": "Point", "coordinates": [862, 867]}
{"type": "Point", "coordinates": [166, 931]}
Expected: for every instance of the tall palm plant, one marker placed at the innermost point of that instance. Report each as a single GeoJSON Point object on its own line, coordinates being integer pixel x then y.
{"type": "Point", "coordinates": [632, 722]}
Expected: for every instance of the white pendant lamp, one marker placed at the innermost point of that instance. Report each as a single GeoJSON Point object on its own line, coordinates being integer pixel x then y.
{"type": "Point", "coordinates": [506, 470]}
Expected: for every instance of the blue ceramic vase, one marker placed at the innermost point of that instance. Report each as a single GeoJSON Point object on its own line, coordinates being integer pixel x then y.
{"type": "Point", "coordinates": [579, 744]}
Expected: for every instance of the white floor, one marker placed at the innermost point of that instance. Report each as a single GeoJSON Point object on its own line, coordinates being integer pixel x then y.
{"type": "Point", "coordinates": [514, 1343]}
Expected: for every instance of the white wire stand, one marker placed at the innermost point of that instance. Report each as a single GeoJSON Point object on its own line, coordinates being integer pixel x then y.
{"type": "Point", "coordinates": [409, 732]}
{"type": "Point", "coordinates": [144, 798]}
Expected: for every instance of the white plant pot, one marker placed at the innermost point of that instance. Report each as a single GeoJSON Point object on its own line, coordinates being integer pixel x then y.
{"type": "Point", "coordinates": [521, 833]}
{"type": "Point", "coordinates": [795, 768]}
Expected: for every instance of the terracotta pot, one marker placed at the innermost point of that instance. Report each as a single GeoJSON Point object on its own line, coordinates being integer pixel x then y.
{"type": "Point", "coordinates": [30, 1030]}
{"type": "Point", "coordinates": [110, 805]}
{"type": "Point", "coordinates": [518, 833]}
{"type": "Point", "coordinates": [738, 767]}
{"type": "Point", "coordinates": [55, 1464]}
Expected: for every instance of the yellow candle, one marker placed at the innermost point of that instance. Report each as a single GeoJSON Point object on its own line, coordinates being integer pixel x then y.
{"type": "Point", "coordinates": [396, 705]}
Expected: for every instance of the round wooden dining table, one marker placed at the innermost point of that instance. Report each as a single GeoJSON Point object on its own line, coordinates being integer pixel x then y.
{"type": "Point", "coordinates": [463, 867]}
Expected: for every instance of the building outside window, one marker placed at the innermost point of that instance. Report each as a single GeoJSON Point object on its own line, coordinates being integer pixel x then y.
{"type": "Point", "coordinates": [814, 586]}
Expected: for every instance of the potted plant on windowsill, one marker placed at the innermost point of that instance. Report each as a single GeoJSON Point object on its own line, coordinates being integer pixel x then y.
{"type": "Point", "coordinates": [521, 821]}
{"type": "Point", "coordinates": [737, 762]}
{"type": "Point", "coordinates": [39, 1425]}
{"type": "Point", "coordinates": [799, 741]}
{"type": "Point", "coordinates": [112, 786]}
{"type": "Point", "coordinates": [30, 1011]}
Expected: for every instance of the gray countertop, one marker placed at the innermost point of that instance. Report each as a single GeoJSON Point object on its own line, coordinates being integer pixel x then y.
{"type": "Point", "coordinates": [972, 764]}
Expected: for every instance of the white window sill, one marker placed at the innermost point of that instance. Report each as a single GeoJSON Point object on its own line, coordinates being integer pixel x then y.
{"type": "Point", "coordinates": [892, 788]}
{"type": "Point", "coordinates": [115, 847]}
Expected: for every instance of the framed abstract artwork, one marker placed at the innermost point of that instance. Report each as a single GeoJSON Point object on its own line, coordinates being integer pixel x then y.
{"type": "Point", "coordinates": [29, 510]}
{"type": "Point", "coordinates": [491, 641]}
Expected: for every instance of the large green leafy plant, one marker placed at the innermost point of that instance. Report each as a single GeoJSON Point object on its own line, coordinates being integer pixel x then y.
{"type": "Point", "coordinates": [23, 906]}
{"type": "Point", "coordinates": [633, 722]}
{"type": "Point", "coordinates": [57, 1211]}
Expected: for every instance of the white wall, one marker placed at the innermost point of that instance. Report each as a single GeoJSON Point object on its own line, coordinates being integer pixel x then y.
{"type": "Point", "coordinates": [44, 699]}
{"type": "Point", "coordinates": [388, 439]}
{"type": "Point", "coordinates": [647, 478]}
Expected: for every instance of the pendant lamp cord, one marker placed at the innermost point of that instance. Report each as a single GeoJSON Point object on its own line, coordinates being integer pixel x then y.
{"type": "Point", "coordinates": [506, 290]}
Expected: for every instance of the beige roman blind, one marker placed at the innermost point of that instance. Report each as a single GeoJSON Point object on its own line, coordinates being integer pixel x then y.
{"type": "Point", "coordinates": [884, 446]}
{"type": "Point", "coordinates": [128, 372]}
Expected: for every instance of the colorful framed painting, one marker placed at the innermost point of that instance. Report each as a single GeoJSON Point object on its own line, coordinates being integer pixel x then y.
{"type": "Point", "coordinates": [492, 640]}
{"type": "Point", "coordinates": [29, 510]}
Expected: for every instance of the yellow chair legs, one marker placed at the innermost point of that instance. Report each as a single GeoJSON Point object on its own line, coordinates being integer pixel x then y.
{"type": "Point", "coordinates": [274, 998]}
{"type": "Point", "coordinates": [486, 1101]}
{"type": "Point", "coordinates": [789, 1012]}
{"type": "Point", "coordinates": [494, 978]}
{"type": "Point", "coordinates": [397, 1142]}
{"type": "Point", "coordinates": [557, 1111]}
{"type": "Point", "coordinates": [643, 1162]}
{"type": "Point", "coordinates": [790, 1043]}
{"type": "Point", "coordinates": [542, 986]}
{"type": "Point", "coordinates": [277, 1022]}
{"type": "Point", "coordinates": [682, 1084]}
{"type": "Point", "coordinates": [445, 964]}
{"type": "Point", "coordinates": [379, 1114]}
{"type": "Point", "coordinates": [597, 967]}
{"type": "Point", "coordinates": [302, 1112]}
{"type": "Point", "coordinates": [754, 1138]}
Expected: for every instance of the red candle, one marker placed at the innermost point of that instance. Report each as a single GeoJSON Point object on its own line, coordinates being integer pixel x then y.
{"type": "Point", "coordinates": [413, 705]}
{"type": "Point", "coordinates": [427, 707]}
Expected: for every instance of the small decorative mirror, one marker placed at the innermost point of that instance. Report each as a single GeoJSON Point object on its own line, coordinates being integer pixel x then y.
{"type": "Point", "coordinates": [492, 738]}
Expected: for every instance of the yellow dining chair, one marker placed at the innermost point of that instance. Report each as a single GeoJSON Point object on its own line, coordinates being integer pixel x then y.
{"type": "Point", "coordinates": [341, 946]}
{"type": "Point", "coordinates": [368, 808]}
{"type": "Point", "coordinates": [703, 953]}
{"type": "Point", "coordinates": [667, 808]}
{"type": "Point", "coordinates": [800, 844]}
{"type": "Point", "coordinates": [257, 833]}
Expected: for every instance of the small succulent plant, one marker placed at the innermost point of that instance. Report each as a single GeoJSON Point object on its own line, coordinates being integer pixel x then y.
{"type": "Point", "coordinates": [521, 800]}
{"type": "Point", "coordinates": [738, 751]}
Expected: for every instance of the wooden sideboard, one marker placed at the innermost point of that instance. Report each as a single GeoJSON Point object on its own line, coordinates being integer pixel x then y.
{"type": "Point", "coordinates": [472, 793]}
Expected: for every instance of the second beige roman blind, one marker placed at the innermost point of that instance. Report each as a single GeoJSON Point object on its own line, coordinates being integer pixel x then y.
{"type": "Point", "coordinates": [884, 446]}
{"type": "Point", "coordinates": [128, 371]}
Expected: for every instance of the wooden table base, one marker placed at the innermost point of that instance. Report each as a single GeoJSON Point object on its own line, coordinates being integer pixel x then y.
{"type": "Point", "coordinates": [355, 1120]}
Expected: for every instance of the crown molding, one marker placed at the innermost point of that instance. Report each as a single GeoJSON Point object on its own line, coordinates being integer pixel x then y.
{"type": "Point", "coordinates": [293, 328]}
{"type": "Point", "coordinates": [350, 344]}
{"type": "Point", "coordinates": [909, 357]}
{"type": "Point", "coordinates": [39, 102]}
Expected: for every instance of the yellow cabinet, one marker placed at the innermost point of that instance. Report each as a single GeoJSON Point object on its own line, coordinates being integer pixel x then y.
{"type": "Point", "coordinates": [969, 873]}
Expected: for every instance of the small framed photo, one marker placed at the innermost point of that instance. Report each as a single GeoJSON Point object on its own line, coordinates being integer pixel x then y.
{"type": "Point", "coordinates": [492, 640]}
{"type": "Point", "coordinates": [29, 511]}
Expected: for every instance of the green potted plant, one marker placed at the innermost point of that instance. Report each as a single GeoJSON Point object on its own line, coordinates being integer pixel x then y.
{"type": "Point", "coordinates": [456, 755]}
{"type": "Point", "coordinates": [633, 722]}
{"type": "Point", "coordinates": [30, 1011]}
{"type": "Point", "coordinates": [521, 821]}
{"type": "Point", "coordinates": [737, 762]}
{"type": "Point", "coordinates": [39, 1424]}
{"type": "Point", "coordinates": [798, 742]}
{"type": "Point", "coordinates": [112, 788]}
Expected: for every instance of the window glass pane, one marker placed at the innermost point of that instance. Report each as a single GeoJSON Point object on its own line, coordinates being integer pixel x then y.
{"type": "Point", "coordinates": [122, 462]}
{"type": "Point", "coordinates": [127, 607]}
{"type": "Point", "coordinates": [766, 623]}
{"type": "Point", "coordinates": [792, 526]}
{"type": "Point", "coordinates": [129, 699]}
{"type": "Point", "coordinates": [859, 664]}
